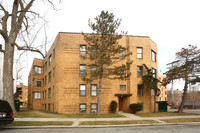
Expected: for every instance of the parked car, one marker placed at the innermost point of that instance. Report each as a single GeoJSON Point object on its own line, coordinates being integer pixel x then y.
{"type": "Point", "coordinates": [6, 113]}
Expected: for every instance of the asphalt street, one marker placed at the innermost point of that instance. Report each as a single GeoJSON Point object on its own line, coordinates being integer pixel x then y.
{"type": "Point", "coordinates": [183, 128]}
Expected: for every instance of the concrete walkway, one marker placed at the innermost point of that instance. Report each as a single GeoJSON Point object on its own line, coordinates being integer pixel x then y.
{"type": "Point", "coordinates": [128, 116]}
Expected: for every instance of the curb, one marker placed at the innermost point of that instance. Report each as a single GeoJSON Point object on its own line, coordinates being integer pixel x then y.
{"type": "Point", "coordinates": [99, 126]}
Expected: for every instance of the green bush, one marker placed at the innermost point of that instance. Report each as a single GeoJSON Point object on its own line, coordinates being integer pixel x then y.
{"type": "Point", "coordinates": [113, 106]}
{"type": "Point", "coordinates": [135, 107]}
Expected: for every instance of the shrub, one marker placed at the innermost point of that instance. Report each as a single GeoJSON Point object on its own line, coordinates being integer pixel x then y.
{"type": "Point", "coordinates": [135, 107]}
{"type": "Point", "coordinates": [113, 106]}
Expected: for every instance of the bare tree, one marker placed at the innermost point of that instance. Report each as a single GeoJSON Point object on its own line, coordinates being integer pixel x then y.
{"type": "Point", "coordinates": [15, 24]}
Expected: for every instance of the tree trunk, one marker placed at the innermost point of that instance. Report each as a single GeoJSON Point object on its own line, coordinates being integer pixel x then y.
{"type": "Point", "coordinates": [8, 74]}
{"type": "Point", "coordinates": [99, 96]}
{"type": "Point", "coordinates": [180, 110]}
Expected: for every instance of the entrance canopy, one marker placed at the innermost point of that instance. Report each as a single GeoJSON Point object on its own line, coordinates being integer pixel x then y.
{"type": "Point", "coordinates": [122, 95]}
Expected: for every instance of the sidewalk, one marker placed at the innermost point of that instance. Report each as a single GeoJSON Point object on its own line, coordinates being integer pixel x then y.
{"type": "Point", "coordinates": [128, 116]}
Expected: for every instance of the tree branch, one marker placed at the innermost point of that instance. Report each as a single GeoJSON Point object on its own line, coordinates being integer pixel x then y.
{"type": "Point", "coordinates": [27, 48]}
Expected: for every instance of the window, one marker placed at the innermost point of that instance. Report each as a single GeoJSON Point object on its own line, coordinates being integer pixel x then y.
{"type": "Point", "coordinates": [50, 76]}
{"type": "Point", "coordinates": [37, 95]}
{"type": "Point", "coordinates": [122, 53]}
{"type": "Point", "coordinates": [140, 90]}
{"type": "Point", "coordinates": [152, 92]}
{"type": "Point", "coordinates": [82, 50]}
{"type": "Point", "coordinates": [154, 72]}
{"type": "Point", "coordinates": [122, 73]}
{"type": "Point", "coordinates": [26, 94]}
{"type": "Point", "coordinates": [93, 108]}
{"type": "Point", "coordinates": [82, 90]}
{"type": "Point", "coordinates": [49, 60]}
{"type": "Point", "coordinates": [139, 53]}
{"type": "Point", "coordinates": [45, 80]}
{"type": "Point", "coordinates": [38, 70]}
{"type": "Point", "coordinates": [82, 70]}
{"type": "Point", "coordinates": [139, 71]}
{"type": "Point", "coordinates": [82, 108]}
{"type": "Point", "coordinates": [122, 87]}
{"type": "Point", "coordinates": [49, 107]}
{"type": "Point", "coordinates": [49, 92]}
{"type": "Point", "coordinates": [45, 66]}
{"type": "Point", "coordinates": [26, 89]}
{"type": "Point", "coordinates": [153, 56]}
{"type": "Point", "coordinates": [53, 91]}
{"type": "Point", "coordinates": [53, 72]}
{"type": "Point", "coordinates": [93, 51]}
{"type": "Point", "coordinates": [38, 82]}
{"type": "Point", "coordinates": [45, 93]}
{"type": "Point", "coordinates": [93, 71]}
{"type": "Point", "coordinates": [93, 90]}
{"type": "Point", "coordinates": [54, 53]}
{"type": "Point", "coordinates": [142, 107]}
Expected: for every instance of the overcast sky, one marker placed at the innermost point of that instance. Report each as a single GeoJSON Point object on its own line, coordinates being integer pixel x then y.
{"type": "Point", "coordinates": [171, 24]}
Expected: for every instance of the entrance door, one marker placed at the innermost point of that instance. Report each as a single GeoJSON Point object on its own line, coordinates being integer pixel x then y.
{"type": "Point", "coordinates": [120, 103]}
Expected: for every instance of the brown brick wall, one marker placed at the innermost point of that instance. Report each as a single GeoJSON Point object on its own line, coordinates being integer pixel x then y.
{"type": "Point", "coordinates": [65, 97]}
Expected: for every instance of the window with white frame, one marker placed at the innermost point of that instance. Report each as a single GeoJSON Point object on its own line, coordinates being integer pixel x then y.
{"type": "Point", "coordinates": [122, 53]}
{"type": "Point", "coordinates": [37, 82]}
{"type": "Point", "coordinates": [153, 56]}
{"type": "Point", "coordinates": [37, 95]}
{"type": "Point", "coordinates": [93, 51]}
{"type": "Point", "coordinates": [122, 87]}
{"type": "Point", "coordinates": [82, 50]}
{"type": "Point", "coordinates": [49, 60]}
{"type": "Point", "coordinates": [37, 69]}
{"type": "Point", "coordinates": [82, 70]}
{"type": "Point", "coordinates": [49, 92]}
{"type": "Point", "coordinates": [82, 108]}
{"type": "Point", "coordinates": [93, 108]}
{"type": "Point", "coordinates": [139, 71]}
{"type": "Point", "coordinates": [140, 90]}
{"type": "Point", "coordinates": [49, 76]}
{"type": "Point", "coordinates": [139, 53]}
{"type": "Point", "coordinates": [154, 72]}
{"type": "Point", "coordinates": [82, 90]}
{"type": "Point", "coordinates": [93, 71]}
{"type": "Point", "coordinates": [93, 90]}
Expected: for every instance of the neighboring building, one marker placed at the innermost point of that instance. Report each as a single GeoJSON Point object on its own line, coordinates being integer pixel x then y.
{"type": "Point", "coordinates": [55, 83]}
{"type": "Point", "coordinates": [23, 94]}
{"type": "Point", "coordinates": [35, 85]}
{"type": "Point", "coordinates": [163, 89]}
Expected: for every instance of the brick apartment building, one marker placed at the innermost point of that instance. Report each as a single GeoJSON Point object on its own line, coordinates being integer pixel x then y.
{"type": "Point", "coordinates": [163, 89]}
{"type": "Point", "coordinates": [23, 94]}
{"type": "Point", "coordinates": [55, 83]}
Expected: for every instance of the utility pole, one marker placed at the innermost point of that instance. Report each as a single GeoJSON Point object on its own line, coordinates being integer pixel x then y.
{"type": "Point", "coordinates": [172, 90]}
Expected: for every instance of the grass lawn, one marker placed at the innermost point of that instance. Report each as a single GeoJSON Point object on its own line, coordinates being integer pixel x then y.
{"type": "Point", "coordinates": [117, 122]}
{"type": "Point", "coordinates": [43, 114]}
{"type": "Point", "coordinates": [179, 120]}
{"type": "Point", "coordinates": [161, 114]}
{"type": "Point", "coordinates": [40, 123]}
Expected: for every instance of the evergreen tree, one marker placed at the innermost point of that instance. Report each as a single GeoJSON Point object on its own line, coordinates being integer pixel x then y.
{"type": "Point", "coordinates": [186, 68]}
{"type": "Point", "coordinates": [104, 51]}
{"type": "Point", "coordinates": [150, 82]}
